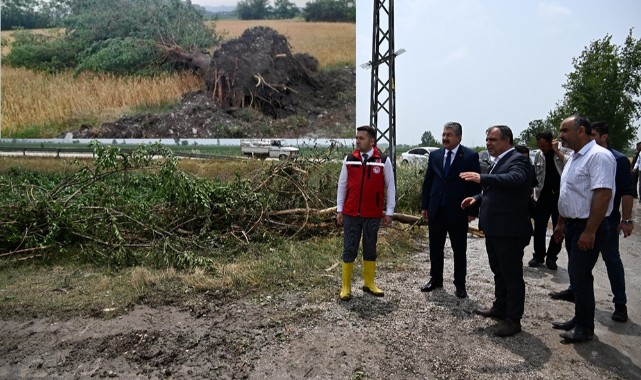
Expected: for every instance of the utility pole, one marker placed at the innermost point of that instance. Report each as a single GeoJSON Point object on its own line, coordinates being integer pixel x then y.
{"type": "Point", "coordinates": [382, 90]}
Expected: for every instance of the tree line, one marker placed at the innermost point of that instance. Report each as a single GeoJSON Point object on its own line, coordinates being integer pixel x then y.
{"type": "Point", "coordinates": [35, 14]}
{"type": "Point", "coordinates": [315, 10]}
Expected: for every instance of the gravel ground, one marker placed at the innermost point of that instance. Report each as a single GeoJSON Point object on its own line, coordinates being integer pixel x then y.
{"type": "Point", "coordinates": [407, 334]}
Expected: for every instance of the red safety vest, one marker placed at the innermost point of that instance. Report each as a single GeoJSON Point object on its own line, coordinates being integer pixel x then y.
{"type": "Point", "coordinates": [365, 185]}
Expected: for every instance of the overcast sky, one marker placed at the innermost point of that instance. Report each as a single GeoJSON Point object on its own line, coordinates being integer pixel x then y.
{"type": "Point", "coordinates": [483, 62]}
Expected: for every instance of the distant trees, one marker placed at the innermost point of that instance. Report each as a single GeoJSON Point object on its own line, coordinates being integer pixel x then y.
{"type": "Point", "coordinates": [116, 36]}
{"type": "Point", "coordinates": [284, 9]}
{"type": "Point", "coordinates": [330, 10]}
{"type": "Point", "coordinates": [604, 86]}
{"type": "Point", "coordinates": [26, 14]}
{"type": "Point", "coordinates": [428, 139]}
{"type": "Point", "coordinates": [315, 10]}
{"type": "Point", "coordinates": [253, 9]}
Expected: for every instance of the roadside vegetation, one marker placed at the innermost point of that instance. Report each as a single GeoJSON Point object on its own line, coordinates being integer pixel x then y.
{"type": "Point", "coordinates": [100, 235]}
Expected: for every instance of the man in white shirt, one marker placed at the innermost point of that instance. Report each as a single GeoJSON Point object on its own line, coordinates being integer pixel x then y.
{"type": "Point", "coordinates": [585, 199]}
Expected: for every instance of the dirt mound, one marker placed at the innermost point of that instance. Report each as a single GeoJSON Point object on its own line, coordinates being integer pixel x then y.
{"type": "Point", "coordinates": [259, 70]}
{"type": "Point", "coordinates": [254, 87]}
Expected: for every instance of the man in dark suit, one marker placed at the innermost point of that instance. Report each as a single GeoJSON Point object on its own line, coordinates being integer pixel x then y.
{"type": "Point", "coordinates": [505, 220]}
{"type": "Point", "coordinates": [442, 194]}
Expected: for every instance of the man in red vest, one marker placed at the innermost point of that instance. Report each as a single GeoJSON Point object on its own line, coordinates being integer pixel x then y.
{"type": "Point", "coordinates": [365, 182]}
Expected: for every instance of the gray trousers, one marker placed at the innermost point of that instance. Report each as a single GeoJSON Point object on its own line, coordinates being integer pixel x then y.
{"type": "Point", "coordinates": [353, 228]}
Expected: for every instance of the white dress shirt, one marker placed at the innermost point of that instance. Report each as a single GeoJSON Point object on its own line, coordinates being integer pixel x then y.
{"type": "Point", "coordinates": [591, 168]}
{"type": "Point", "coordinates": [453, 155]}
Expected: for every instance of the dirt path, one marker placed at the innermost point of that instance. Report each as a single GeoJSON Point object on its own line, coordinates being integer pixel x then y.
{"type": "Point", "coordinates": [406, 334]}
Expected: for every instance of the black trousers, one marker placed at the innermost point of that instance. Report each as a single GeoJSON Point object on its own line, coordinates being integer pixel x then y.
{"type": "Point", "coordinates": [452, 222]}
{"type": "Point", "coordinates": [546, 208]}
{"type": "Point", "coordinates": [505, 255]}
{"type": "Point", "coordinates": [635, 179]}
{"type": "Point", "coordinates": [355, 228]}
{"type": "Point", "coordinates": [580, 268]}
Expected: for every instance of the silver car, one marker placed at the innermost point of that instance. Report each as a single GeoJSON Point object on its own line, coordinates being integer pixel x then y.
{"type": "Point", "coordinates": [418, 155]}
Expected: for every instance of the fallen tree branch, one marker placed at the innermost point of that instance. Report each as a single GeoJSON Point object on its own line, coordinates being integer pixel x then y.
{"type": "Point", "coordinates": [398, 217]}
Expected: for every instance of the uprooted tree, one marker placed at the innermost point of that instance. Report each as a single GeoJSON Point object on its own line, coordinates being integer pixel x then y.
{"type": "Point", "coordinates": [119, 36]}
{"type": "Point", "coordinates": [259, 70]}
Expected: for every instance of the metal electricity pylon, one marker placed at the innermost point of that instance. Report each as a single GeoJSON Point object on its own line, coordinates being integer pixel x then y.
{"type": "Point", "coordinates": [382, 91]}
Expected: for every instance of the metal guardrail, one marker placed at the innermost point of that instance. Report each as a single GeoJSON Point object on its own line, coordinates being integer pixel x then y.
{"type": "Point", "coordinates": [70, 151]}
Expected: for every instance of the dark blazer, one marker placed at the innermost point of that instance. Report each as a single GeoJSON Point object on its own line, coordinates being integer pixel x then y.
{"type": "Point", "coordinates": [435, 185]}
{"type": "Point", "coordinates": [505, 196]}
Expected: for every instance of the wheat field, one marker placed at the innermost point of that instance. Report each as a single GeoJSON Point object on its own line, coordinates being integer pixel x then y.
{"type": "Point", "coordinates": [44, 105]}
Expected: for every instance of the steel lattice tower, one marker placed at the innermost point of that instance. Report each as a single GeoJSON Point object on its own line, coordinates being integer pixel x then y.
{"type": "Point", "coordinates": [382, 90]}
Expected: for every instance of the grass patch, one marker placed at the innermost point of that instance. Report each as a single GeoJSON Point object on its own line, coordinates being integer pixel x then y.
{"type": "Point", "coordinates": [65, 289]}
{"type": "Point", "coordinates": [68, 288]}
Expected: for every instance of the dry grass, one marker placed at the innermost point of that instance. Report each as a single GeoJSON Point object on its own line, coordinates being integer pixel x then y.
{"type": "Point", "coordinates": [46, 105]}
{"type": "Point", "coordinates": [222, 170]}
{"type": "Point", "coordinates": [331, 43]}
{"type": "Point", "coordinates": [31, 98]}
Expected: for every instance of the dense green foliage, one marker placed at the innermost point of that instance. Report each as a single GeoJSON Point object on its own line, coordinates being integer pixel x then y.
{"type": "Point", "coordinates": [330, 10]}
{"type": "Point", "coordinates": [284, 9]}
{"type": "Point", "coordinates": [253, 9]}
{"type": "Point", "coordinates": [427, 139]}
{"type": "Point", "coordinates": [604, 86]}
{"type": "Point", "coordinates": [26, 14]}
{"type": "Point", "coordinates": [261, 10]}
{"type": "Point", "coordinates": [120, 36]}
{"type": "Point", "coordinates": [137, 207]}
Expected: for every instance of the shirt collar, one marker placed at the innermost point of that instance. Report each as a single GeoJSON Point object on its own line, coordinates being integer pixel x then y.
{"type": "Point", "coordinates": [585, 148]}
{"type": "Point", "coordinates": [502, 155]}
{"type": "Point", "coordinates": [453, 150]}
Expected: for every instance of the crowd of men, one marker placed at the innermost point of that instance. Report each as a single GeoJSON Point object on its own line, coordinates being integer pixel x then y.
{"type": "Point", "coordinates": [584, 186]}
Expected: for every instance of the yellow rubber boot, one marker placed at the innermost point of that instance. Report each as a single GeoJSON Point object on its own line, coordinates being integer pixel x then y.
{"type": "Point", "coordinates": [369, 269]}
{"type": "Point", "coordinates": [346, 289]}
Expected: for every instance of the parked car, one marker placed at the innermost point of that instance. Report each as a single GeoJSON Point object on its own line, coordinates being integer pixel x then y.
{"type": "Point", "coordinates": [268, 148]}
{"type": "Point", "coordinates": [418, 155]}
{"type": "Point", "coordinates": [485, 160]}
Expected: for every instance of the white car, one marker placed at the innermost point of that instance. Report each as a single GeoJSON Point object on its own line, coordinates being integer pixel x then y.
{"type": "Point", "coordinates": [418, 155]}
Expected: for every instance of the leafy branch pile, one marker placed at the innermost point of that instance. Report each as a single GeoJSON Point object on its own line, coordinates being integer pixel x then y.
{"type": "Point", "coordinates": [132, 207]}
{"type": "Point", "coordinates": [124, 206]}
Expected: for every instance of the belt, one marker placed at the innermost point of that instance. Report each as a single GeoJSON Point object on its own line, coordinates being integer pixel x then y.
{"type": "Point", "coordinates": [576, 220]}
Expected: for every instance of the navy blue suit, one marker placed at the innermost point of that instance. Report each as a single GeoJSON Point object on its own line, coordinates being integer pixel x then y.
{"type": "Point", "coordinates": [505, 220]}
{"type": "Point", "coordinates": [441, 197]}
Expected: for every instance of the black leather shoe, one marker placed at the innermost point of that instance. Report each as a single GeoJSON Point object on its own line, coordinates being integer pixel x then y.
{"type": "Point", "coordinates": [431, 286]}
{"type": "Point", "coordinates": [567, 325]}
{"type": "Point", "coordinates": [490, 313]}
{"type": "Point", "coordinates": [461, 292]}
{"type": "Point", "coordinates": [565, 295]}
{"type": "Point", "coordinates": [508, 328]}
{"type": "Point", "coordinates": [534, 262]}
{"type": "Point", "coordinates": [551, 264]}
{"type": "Point", "coordinates": [620, 312]}
{"type": "Point", "coordinates": [577, 335]}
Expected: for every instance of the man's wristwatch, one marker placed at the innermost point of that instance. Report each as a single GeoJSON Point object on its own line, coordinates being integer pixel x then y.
{"type": "Point", "coordinates": [629, 221]}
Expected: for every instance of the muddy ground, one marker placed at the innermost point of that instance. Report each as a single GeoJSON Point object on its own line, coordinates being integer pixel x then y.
{"type": "Point", "coordinates": [405, 335]}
